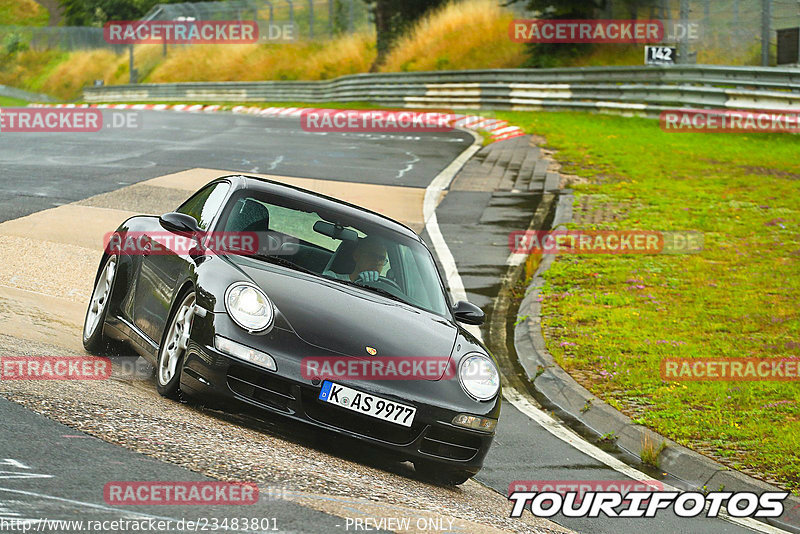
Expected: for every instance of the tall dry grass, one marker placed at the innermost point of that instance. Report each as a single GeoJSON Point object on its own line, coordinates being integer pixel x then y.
{"type": "Point", "coordinates": [80, 68]}
{"type": "Point", "coordinates": [461, 35]}
{"type": "Point", "coordinates": [28, 69]}
{"type": "Point", "coordinates": [23, 13]}
{"type": "Point", "coordinates": [250, 62]}
{"type": "Point", "coordinates": [470, 34]}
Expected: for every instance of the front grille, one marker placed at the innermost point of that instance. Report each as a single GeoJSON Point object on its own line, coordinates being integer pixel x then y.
{"type": "Point", "coordinates": [450, 444]}
{"type": "Point", "coordinates": [262, 387]}
{"type": "Point", "coordinates": [364, 425]}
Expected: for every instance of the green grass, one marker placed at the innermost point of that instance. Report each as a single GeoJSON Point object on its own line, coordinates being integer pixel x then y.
{"type": "Point", "coordinates": [610, 320]}
{"type": "Point", "coordinates": [7, 101]}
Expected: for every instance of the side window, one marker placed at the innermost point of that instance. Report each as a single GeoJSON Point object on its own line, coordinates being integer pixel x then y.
{"type": "Point", "coordinates": [205, 204]}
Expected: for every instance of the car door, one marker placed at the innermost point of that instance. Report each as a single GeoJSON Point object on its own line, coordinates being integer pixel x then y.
{"type": "Point", "coordinates": [165, 262]}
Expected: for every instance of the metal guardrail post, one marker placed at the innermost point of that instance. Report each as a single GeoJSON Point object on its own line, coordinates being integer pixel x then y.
{"type": "Point", "coordinates": [291, 11]}
{"type": "Point", "coordinates": [330, 18]}
{"type": "Point", "coordinates": [271, 11]}
{"type": "Point", "coordinates": [350, 16]}
{"type": "Point", "coordinates": [683, 44]}
{"type": "Point", "coordinates": [132, 70]}
{"type": "Point", "coordinates": [310, 19]}
{"type": "Point", "coordinates": [766, 20]}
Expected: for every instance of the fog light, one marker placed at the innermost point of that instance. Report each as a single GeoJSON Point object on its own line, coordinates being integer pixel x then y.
{"type": "Point", "coordinates": [242, 352]}
{"type": "Point", "coordinates": [474, 422]}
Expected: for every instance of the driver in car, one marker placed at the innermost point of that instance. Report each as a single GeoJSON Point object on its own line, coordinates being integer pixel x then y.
{"type": "Point", "coordinates": [369, 256]}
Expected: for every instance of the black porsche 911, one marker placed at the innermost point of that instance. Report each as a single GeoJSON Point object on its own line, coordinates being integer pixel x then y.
{"type": "Point", "coordinates": [326, 283]}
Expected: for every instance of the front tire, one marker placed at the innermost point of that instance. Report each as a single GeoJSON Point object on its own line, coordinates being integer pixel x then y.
{"type": "Point", "coordinates": [173, 347]}
{"type": "Point", "coordinates": [94, 341]}
{"type": "Point", "coordinates": [441, 474]}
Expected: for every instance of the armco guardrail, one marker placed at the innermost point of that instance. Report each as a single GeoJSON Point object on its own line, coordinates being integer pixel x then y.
{"type": "Point", "coordinates": [13, 92]}
{"type": "Point", "coordinates": [641, 90]}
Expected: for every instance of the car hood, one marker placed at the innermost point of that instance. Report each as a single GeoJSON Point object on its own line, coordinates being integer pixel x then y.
{"type": "Point", "coordinates": [347, 320]}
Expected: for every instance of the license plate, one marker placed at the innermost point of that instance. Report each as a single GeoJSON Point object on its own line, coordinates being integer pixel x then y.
{"type": "Point", "coordinates": [367, 404]}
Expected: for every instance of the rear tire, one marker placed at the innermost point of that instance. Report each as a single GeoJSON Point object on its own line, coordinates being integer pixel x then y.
{"type": "Point", "coordinates": [172, 350]}
{"type": "Point", "coordinates": [94, 341]}
{"type": "Point", "coordinates": [441, 474]}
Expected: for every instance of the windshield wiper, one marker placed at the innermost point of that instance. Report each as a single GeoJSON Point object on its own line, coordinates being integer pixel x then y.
{"type": "Point", "coordinates": [283, 262]}
{"type": "Point", "coordinates": [370, 288]}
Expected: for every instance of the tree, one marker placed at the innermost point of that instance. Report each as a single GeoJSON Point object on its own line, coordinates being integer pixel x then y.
{"type": "Point", "coordinates": [553, 54]}
{"type": "Point", "coordinates": [98, 12]}
{"type": "Point", "coordinates": [395, 17]}
{"type": "Point", "coordinates": [568, 9]}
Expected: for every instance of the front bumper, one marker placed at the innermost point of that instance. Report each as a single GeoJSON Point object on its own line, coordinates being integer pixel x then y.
{"type": "Point", "coordinates": [211, 375]}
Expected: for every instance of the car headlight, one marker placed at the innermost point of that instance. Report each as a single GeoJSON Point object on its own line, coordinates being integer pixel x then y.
{"type": "Point", "coordinates": [479, 377]}
{"type": "Point", "coordinates": [248, 306]}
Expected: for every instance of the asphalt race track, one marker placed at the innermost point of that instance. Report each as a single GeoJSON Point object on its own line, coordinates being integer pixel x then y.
{"type": "Point", "coordinates": [61, 192]}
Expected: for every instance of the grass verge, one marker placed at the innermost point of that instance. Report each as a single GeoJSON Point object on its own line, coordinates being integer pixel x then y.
{"type": "Point", "coordinates": [7, 101]}
{"type": "Point", "coordinates": [609, 320]}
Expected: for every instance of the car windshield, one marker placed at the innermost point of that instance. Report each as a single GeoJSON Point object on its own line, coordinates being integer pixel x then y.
{"type": "Point", "coordinates": [337, 247]}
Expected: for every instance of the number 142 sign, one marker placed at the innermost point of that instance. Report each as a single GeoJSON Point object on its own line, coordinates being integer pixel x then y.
{"type": "Point", "coordinates": [660, 55]}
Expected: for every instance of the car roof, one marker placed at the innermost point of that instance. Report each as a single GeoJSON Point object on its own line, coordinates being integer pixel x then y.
{"type": "Point", "coordinates": [324, 201]}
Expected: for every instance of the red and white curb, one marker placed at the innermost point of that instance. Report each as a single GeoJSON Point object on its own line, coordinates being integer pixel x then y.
{"type": "Point", "coordinates": [499, 130]}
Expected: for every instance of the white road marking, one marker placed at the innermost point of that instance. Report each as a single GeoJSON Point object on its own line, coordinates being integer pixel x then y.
{"type": "Point", "coordinates": [432, 194]}
{"type": "Point", "coordinates": [85, 504]}
{"type": "Point", "coordinates": [15, 474]}
{"type": "Point", "coordinates": [414, 159]}
{"type": "Point", "coordinates": [12, 462]}
{"type": "Point", "coordinates": [274, 163]}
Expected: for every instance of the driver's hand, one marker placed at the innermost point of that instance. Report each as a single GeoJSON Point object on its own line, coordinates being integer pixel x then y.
{"type": "Point", "coordinates": [368, 276]}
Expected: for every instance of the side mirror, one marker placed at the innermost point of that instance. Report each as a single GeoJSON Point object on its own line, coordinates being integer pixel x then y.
{"type": "Point", "coordinates": [179, 223]}
{"type": "Point", "coordinates": [467, 313]}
